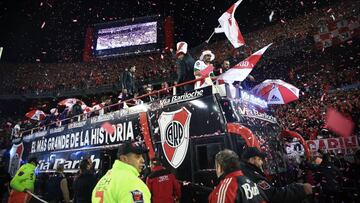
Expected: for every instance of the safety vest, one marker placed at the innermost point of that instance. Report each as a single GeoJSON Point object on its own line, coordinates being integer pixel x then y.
{"type": "Point", "coordinates": [121, 184]}
{"type": "Point", "coordinates": [24, 178]}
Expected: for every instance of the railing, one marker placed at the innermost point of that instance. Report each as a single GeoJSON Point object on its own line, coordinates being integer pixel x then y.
{"type": "Point", "coordinates": [70, 92]}
{"type": "Point", "coordinates": [129, 102]}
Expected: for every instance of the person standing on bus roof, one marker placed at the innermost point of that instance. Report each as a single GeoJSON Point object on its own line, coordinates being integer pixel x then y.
{"type": "Point", "coordinates": [252, 168]}
{"type": "Point", "coordinates": [128, 80]}
{"type": "Point", "coordinates": [233, 186]}
{"type": "Point", "coordinates": [204, 62]}
{"type": "Point", "coordinates": [122, 182]}
{"type": "Point", "coordinates": [23, 181]}
{"type": "Point", "coordinates": [162, 184]}
{"type": "Point", "coordinates": [185, 64]}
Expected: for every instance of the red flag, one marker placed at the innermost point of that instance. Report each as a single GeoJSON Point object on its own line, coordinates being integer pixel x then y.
{"type": "Point", "coordinates": [241, 70]}
{"type": "Point", "coordinates": [230, 27]}
{"type": "Point", "coordinates": [108, 127]}
{"type": "Point", "coordinates": [339, 123]}
{"type": "Point", "coordinates": [205, 72]}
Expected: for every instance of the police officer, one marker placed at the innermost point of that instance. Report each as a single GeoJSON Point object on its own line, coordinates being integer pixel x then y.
{"type": "Point", "coordinates": [233, 185]}
{"type": "Point", "coordinates": [23, 181]}
{"type": "Point", "coordinates": [252, 168]}
{"type": "Point", "coordinates": [122, 182]}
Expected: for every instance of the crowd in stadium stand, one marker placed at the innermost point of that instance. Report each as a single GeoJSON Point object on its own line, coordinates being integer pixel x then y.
{"type": "Point", "coordinates": [30, 78]}
{"type": "Point", "coordinates": [316, 72]}
{"type": "Point", "coordinates": [40, 77]}
{"type": "Point", "coordinates": [325, 78]}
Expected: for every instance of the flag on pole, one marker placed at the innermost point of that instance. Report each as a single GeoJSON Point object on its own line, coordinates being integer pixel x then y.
{"type": "Point", "coordinates": [241, 70]}
{"type": "Point", "coordinates": [230, 27]}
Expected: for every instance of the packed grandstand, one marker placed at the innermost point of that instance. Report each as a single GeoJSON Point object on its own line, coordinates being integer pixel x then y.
{"type": "Point", "coordinates": [322, 75]}
{"type": "Point", "coordinates": [326, 76]}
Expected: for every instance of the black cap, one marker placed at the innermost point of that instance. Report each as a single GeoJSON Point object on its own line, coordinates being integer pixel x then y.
{"type": "Point", "coordinates": [250, 152]}
{"type": "Point", "coordinates": [34, 160]}
{"type": "Point", "coordinates": [136, 147]}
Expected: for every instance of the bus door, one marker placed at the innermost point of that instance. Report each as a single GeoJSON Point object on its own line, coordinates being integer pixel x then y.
{"type": "Point", "coordinates": [203, 151]}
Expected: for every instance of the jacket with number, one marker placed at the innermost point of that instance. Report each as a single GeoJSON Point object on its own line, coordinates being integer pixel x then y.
{"type": "Point", "coordinates": [121, 184]}
{"type": "Point", "coordinates": [234, 187]}
{"type": "Point", "coordinates": [24, 178]}
{"type": "Point", "coordinates": [290, 193]}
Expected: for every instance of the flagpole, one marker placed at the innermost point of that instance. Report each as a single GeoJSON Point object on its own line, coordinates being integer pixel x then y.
{"type": "Point", "coordinates": [207, 41]}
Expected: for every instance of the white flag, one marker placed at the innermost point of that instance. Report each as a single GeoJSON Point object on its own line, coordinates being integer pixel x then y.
{"type": "Point", "coordinates": [230, 27]}
{"type": "Point", "coordinates": [241, 70]}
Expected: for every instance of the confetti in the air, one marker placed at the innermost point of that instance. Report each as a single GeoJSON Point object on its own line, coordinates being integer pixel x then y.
{"type": "Point", "coordinates": [271, 16]}
{"type": "Point", "coordinates": [43, 25]}
{"type": "Point", "coordinates": [333, 17]}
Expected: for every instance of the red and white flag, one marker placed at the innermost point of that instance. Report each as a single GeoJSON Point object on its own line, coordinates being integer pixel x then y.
{"type": "Point", "coordinates": [230, 27]}
{"type": "Point", "coordinates": [205, 72]}
{"type": "Point", "coordinates": [241, 70]}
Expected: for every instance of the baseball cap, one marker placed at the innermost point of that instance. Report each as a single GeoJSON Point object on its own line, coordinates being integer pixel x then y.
{"type": "Point", "coordinates": [34, 160]}
{"type": "Point", "coordinates": [250, 152]}
{"type": "Point", "coordinates": [136, 147]}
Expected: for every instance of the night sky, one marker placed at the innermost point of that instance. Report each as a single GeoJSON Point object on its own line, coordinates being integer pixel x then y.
{"type": "Point", "coordinates": [53, 31]}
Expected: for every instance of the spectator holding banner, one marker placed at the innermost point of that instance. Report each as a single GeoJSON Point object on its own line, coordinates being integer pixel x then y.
{"type": "Point", "coordinates": [23, 181]}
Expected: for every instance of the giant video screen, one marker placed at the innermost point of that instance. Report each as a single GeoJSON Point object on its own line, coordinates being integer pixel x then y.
{"type": "Point", "coordinates": [131, 36]}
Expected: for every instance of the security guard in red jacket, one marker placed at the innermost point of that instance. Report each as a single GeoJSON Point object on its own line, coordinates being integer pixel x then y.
{"type": "Point", "coordinates": [234, 187]}
{"type": "Point", "coordinates": [162, 184]}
